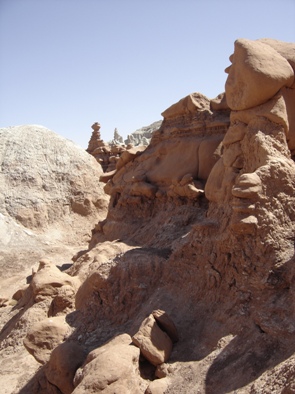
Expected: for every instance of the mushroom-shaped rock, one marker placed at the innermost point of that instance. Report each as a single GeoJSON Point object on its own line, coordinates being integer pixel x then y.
{"type": "Point", "coordinates": [257, 73]}
{"type": "Point", "coordinates": [155, 345]}
{"type": "Point", "coordinates": [64, 361]}
{"type": "Point", "coordinates": [45, 336]}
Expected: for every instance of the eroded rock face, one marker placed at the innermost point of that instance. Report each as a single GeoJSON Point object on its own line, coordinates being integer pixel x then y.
{"type": "Point", "coordinates": [240, 254]}
{"type": "Point", "coordinates": [175, 165]}
{"type": "Point", "coordinates": [112, 155]}
{"type": "Point", "coordinates": [189, 136]}
{"type": "Point", "coordinates": [255, 146]}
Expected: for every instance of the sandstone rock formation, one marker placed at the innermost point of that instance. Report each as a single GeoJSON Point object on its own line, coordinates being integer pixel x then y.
{"type": "Point", "coordinates": [118, 139]}
{"type": "Point", "coordinates": [63, 364]}
{"type": "Point", "coordinates": [190, 136]}
{"type": "Point", "coordinates": [199, 235]}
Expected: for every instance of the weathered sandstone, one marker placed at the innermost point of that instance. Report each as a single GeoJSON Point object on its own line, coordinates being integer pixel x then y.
{"type": "Point", "coordinates": [199, 235]}
{"type": "Point", "coordinates": [257, 73]}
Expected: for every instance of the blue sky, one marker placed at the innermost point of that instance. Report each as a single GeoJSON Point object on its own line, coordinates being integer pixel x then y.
{"type": "Point", "coordinates": [68, 63]}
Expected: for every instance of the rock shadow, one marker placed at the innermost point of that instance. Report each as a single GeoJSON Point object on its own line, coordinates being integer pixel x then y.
{"type": "Point", "coordinates": [243, 360]}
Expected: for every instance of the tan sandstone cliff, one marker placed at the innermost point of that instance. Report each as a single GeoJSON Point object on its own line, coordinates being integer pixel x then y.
{"type": "Point", "coordinates": [187, 285]}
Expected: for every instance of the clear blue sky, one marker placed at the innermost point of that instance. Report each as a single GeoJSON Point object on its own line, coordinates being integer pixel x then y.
{"type": "Point", "coordinates": [68, 63]}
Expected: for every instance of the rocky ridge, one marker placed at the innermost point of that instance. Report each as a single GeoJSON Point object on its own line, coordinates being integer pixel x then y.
{"type": "Point", "coordinates": [187, 285]}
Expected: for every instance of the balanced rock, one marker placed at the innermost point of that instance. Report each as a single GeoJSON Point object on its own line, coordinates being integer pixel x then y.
{"type": "Point", "coordinates": [155, 345]}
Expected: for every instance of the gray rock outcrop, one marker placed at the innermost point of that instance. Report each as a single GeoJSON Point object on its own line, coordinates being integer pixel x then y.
{"type": "Point", "coordinates": [143, 135]}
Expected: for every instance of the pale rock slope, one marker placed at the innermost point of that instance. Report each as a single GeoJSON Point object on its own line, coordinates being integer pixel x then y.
{"type": "Point", "coordinates": [49, 194]}
{"type": "Point", "coordinates": [50, 198]}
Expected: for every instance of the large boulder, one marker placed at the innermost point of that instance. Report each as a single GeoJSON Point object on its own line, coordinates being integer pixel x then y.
{"type": "Point", "coordinates": [64, 361]}
{"type": "Point", "coordinates": [112, 368]}
{"type": "Point", "coordinates": [43, 337]}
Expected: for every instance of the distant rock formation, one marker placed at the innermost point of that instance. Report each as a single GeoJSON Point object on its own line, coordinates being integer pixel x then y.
{"type": "Point", "coordinates": [117, 138]}
{"type": "Point", "coordinates": [105, 154]}
{"type": "Point", "coordinates": [108, 154]}
{"type": "Point", "coordinates": [143, 135]}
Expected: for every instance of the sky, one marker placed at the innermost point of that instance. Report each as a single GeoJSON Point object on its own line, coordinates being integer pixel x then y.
{"type": "Point", "coordinates": [65, 64]}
